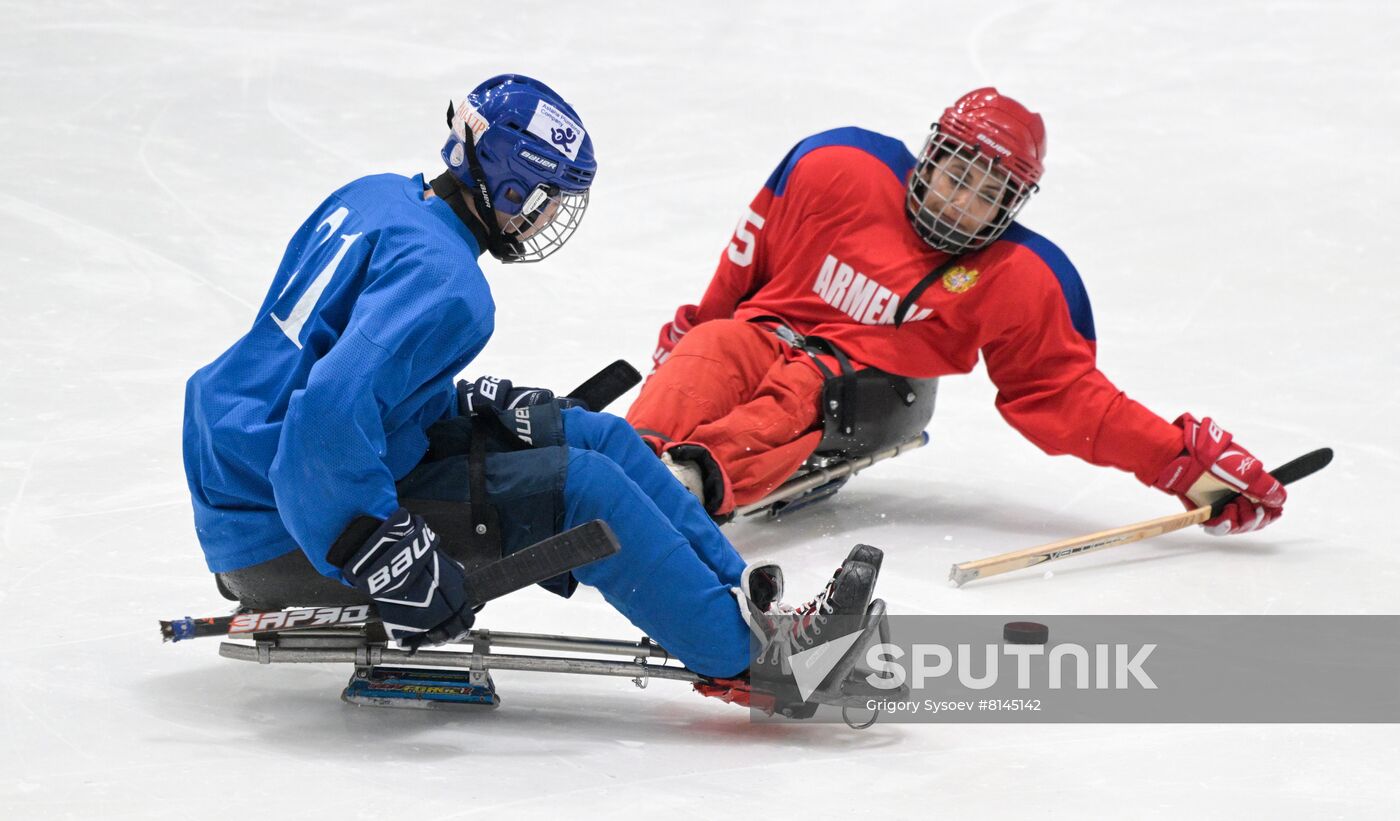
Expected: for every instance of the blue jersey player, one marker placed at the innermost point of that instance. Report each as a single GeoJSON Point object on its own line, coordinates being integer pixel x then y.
{"type": "Point", "coordinates": [329, 450]}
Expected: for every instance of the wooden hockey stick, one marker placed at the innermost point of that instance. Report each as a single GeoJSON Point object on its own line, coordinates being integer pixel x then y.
{"type": "Point", "coordinates": [964, 572]}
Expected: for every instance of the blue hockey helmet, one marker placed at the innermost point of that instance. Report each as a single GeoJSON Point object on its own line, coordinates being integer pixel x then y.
{"type": "Point", "coordinates": [524, 153]}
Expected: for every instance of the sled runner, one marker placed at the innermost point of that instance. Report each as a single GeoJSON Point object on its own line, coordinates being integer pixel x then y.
{"type": "Point", "coordinates": [384, 676]}
{"type": "Point", "coordinates": [459, 675]}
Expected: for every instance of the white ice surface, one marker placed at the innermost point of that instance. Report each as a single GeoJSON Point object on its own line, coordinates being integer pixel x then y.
{"type": "Point", "coordinates": [1223, 175]}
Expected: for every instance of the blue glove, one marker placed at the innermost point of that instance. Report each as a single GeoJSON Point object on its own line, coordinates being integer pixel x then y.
{"type": "Point", "coordinates": [420, 592]}
{"type": "Point", "coordinates": [490, 393]}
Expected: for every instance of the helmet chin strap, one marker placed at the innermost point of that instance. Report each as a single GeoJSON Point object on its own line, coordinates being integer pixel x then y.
{"type": "Point", "coordinates": [450, 190]}
{"type": "Point", "coordinates": [487, 231]}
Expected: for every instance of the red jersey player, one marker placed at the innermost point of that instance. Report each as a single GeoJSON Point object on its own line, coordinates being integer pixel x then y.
{"type": "Point", "coordinates": [913, 267]}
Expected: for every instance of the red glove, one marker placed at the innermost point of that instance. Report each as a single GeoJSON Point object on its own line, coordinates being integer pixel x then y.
{"type": "Point", "coordinates": [1212, 465]}
{"type": "Point", "coordinates": [672, 332]}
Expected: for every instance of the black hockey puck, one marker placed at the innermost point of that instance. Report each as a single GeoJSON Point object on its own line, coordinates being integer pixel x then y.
{"type": "Point", "coordinates": [1025, 632]}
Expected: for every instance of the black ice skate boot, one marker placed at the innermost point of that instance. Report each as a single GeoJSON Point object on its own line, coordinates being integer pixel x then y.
{"type": "Point", "coordinates": [784, 632]}
{"type": "Point", "coordinates": [872, 556]}
{"type": "Point", "coordinates": [762, 581]}
{"type": "Point", "coordinates": [761, 586]}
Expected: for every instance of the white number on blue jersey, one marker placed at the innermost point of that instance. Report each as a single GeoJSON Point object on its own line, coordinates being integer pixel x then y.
{"type": "Point", "coordinates": [295, 319]}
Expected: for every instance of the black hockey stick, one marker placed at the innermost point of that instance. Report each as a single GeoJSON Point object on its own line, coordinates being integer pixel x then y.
{"type": "Point", "coordinates": [605, 386]}
{"type": "Point", "coordinates": [540, 561]}
{"type": "Point", "coordinates": [1287, 473]}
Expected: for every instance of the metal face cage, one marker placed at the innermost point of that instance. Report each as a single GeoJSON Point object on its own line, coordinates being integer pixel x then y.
{"type": "Point", "coordinates": [547, 218]}
{"type": "Point", "coordinates": [960, 199]}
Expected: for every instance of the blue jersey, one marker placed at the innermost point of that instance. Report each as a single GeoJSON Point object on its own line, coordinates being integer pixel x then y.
{"type": "Point", "coordinates": [307, 421]}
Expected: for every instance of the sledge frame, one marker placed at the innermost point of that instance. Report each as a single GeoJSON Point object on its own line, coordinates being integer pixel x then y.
{"type": "Point", "coordinates": [367, 649]}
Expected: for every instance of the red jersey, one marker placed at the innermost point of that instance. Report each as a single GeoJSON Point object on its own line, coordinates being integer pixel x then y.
{"type": "Point", "coordinates": [827, 247]}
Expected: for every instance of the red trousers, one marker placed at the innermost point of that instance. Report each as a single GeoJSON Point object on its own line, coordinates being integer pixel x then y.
{"type": "Point", "coordinates": [738, 391]}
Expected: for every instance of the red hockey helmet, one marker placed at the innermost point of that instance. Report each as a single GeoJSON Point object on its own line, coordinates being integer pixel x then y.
{"type": "Point", "coordinates": [1001, 128]}
{"type": "Point", "coordinates": [981, 162]}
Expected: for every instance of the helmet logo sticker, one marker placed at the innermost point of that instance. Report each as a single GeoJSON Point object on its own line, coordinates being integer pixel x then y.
{"type": "Point", "coordinates": [468, 118]}
{"type": "Point", "coordinates": [558, 129]}
{"type": "Point", "coordinates": [562, 137]}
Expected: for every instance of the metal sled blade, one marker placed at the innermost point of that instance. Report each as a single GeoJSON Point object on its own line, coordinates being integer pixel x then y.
{"type": "Point", "coordinates": [815, 480]}
{"type": "Point", "coordinates": [814, 496]}
{"type": "Point", "coordinates": [421, 689]}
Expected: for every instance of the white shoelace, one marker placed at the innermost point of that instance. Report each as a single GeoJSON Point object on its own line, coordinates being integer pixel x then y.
{"type": "Point", "coordinates": [808, 615]}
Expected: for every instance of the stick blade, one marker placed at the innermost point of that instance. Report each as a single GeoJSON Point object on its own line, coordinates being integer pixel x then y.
{"type": "Point", "coordinates": [544, 560]}
{"type": "Point", "coordinates": [1305, 465]}
{"type": "Point", "coordinates": [1287, 473]}
{"type": "Point", "coordinates": [605, 386]}
{"type": "Point", "coordinates": [958, 576]}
